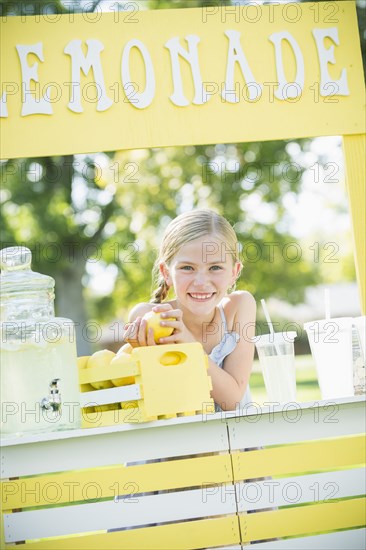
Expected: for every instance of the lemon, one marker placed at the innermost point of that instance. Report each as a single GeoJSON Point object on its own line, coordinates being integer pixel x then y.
{"type": "Point", "coordinates": [129, 405]}
{"type": "Point", "coordinates": [126, 348]}
{"type": "Point", "coordinates": [107, 407]}
{"type": "Point", "coordinates": [86, 387]}
{"type": "Point", "coordinates": [88, 410]}
{"type": "Point", "coordinates": [101, 358]}
{"type": "Point", "coordinates": [82, 361]}
{"type": "Point", "coordinates": [120, 359]}
{"type": "Point", "coordinates": [153, 321]}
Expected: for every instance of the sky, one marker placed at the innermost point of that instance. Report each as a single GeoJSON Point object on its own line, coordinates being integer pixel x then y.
{"type": "Point", "coordinates": [323, 194]}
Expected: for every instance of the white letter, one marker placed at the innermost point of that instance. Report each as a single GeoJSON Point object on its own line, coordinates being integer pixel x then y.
{"type": "Point", "coordinates": [340, 87]}
{"type": "Point", "coordinates": [293, 91]}
{"type": "Point", "coordinates": [32, 106]}
{"type": "Point", "coordinates": [80, 62]}
{"type": "Point", "coordinates": [175, 49]}
{"type": "Point", "coordinates": [145, 98]}
{"type": "Point", "coordinates": [236, 54]}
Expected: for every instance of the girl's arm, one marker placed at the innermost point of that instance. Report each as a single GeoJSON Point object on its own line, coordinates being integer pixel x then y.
{"type": "Point", "coordinates": [230, 383]}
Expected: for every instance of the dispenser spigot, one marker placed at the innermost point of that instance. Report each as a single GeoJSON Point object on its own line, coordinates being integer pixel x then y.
{"type": "Point", "coordinates": [53, 401]}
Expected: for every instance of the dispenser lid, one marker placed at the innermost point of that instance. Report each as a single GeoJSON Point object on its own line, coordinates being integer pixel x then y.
{"type": "Point", "coordinates": [16, 273]}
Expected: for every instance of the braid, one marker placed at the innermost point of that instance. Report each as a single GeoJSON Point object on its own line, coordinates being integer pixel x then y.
{"type": "Point", "coordinates": [160, 293]}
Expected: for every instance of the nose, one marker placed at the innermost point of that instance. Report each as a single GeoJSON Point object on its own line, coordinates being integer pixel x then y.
{"type": "Point", "coordinates": [200, 278]}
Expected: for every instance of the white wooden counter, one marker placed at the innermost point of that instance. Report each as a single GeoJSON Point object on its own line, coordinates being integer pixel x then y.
{"type": "Point", "coordinates": [298, 466]}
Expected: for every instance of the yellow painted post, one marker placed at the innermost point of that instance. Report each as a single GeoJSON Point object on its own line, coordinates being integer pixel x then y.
{"type": "Point", "coordinates": [2, 530]}
{"type": "Point", "coordinates": [354, 148]}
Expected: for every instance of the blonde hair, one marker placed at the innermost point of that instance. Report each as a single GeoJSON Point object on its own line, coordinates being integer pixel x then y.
{"type": "Point", "coordinates": [183, 229]}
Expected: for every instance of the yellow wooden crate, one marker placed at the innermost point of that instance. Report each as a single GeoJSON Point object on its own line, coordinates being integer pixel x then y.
{"type": "Point", "coordinates": [168, 380]}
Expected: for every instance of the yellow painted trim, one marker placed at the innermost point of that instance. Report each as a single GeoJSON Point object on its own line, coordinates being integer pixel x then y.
{"type": "Point", "coordinates": [306, 457]}
{"type": "Point", "coordinates": [185, 536]}
{"type": "Point", "coordinates": [117, 480]}
{"type": "Point", "coordinates": [303, 520]}
{"type": "Point", "coordinates": [354, 148]}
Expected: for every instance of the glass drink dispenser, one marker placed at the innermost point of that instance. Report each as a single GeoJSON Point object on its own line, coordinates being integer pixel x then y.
{"type": "Point", "coordinates": [38, 368]}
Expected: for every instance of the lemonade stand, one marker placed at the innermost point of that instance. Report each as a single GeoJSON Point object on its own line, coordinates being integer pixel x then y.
{"type": "Point", "coordinates": [171, 472]}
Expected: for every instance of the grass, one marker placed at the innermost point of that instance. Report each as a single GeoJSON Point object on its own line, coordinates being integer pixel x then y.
{"type": "Point", "coordinates": [306, 381]}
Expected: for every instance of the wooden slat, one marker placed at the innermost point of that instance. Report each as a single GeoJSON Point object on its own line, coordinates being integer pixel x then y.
{"type": "Point", "coordinates": [300, 489]}
{"type": "Point", "coordinates": [332, 420]}
{"type": "Point", "coordinates": [111, 395]}
{"type": "Point", "coordinates": [183, 536]}
{"type": "Point", "coordinates": [119, 480]}
{"type": "Point", "coordinates": [352, 540]}
{"type": "Point", "coordinates": [305, 457]}
{"type": "Point", "coordinates": [2, 534]}
{"type": "Point", "coordinates": [303, 520]}
{"type": "Point", "coordinates": [100, 516]}
{"type": "Point", "coordinates": [138, 443]}
{"type": "Point", "coordinates": [133, 445]}
{"type": "Point", "coordinates": [354, 150]}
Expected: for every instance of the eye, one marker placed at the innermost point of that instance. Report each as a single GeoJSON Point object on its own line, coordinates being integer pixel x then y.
{"type": "Point", "coordinates": [186, 267]}
{"type": "Point", "coordinates": [216, 267]}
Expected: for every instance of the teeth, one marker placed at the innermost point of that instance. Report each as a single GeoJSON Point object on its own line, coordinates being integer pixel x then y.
{"type": "Point", "coordinates": [201, 296]}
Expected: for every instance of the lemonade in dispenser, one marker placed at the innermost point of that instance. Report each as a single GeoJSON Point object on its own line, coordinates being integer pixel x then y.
{"type": "Point", "coordinates": [38, 369]}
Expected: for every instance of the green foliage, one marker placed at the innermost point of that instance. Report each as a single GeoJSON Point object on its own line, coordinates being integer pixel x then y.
{"type": "Point", "coordinates": [112, 209]}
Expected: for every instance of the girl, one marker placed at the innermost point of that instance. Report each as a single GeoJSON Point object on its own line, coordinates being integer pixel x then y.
{"type": "Point", "coordinates": [199, 260]}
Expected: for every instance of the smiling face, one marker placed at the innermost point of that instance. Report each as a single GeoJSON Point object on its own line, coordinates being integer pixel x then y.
{"type": "Point", "coordinates": [201, 273]}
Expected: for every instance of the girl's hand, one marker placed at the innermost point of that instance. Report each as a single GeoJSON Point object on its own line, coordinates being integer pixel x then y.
{"type": "Point", "coordinates": [135, 334]}
{"type": "Point", "coordinates": [181, 335]}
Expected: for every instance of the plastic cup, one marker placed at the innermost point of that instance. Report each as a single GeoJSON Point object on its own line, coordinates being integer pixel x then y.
{"type": "Point", "coordinates": [331, 347]}
{"type": "Point", "coordinates": [277, 360]}
{"type": "Point", "coordinates": [359, 355]}
{"type": "Point", "coordinates": [360, 324]}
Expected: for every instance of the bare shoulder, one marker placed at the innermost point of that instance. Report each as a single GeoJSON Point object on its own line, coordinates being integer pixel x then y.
{"type": "Point", "coordinates": [241, 296]}
{"type": "Point", "coordinates": [242, 306]}
{"type": "Point", "coordinates": [139, 310]}
{"type": "Point", "coordinates": [239, 306]}
{"type": "Point", "coordinates": [242, 299]}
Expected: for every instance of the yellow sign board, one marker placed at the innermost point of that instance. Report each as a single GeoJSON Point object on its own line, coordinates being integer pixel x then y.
{"type": "Point", "coordinates": [87, 82]}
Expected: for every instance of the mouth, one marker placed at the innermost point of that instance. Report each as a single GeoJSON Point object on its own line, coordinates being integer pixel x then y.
{"type": "Point", "coordinates": [201, 296]}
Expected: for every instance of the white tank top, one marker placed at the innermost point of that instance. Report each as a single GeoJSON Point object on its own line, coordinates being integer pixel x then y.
{"type": "Point", "coordinates": [223, 349]}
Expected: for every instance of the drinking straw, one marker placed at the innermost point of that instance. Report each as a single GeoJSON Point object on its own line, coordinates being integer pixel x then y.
{"type": "Point", "coordinates": [269, 322]}
{"type": "Point", "coordinates": [327, 303]}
